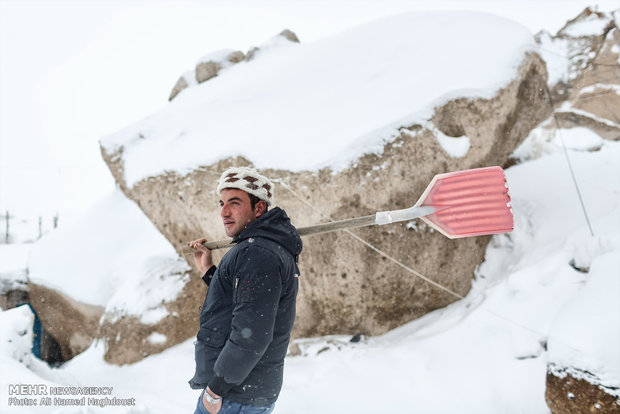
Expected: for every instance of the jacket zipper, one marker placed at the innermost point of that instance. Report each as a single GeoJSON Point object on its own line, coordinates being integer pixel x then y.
{"type": "Point", "coordinates": [235, 289]}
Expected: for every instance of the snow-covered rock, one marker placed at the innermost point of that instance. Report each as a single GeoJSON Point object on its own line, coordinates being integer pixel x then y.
{"type": "Point", "coordinates": [13, 274]}
{"type": "Point", "coordinates": [348, 125]}
{"type": "Point", "coordinates": [210, 65]}
{"type": "Point", "coordinates": [119, 285]}
{"type": "Point", "coordinates": [584, 76]}
{"type": "Point", "coordinates": [584, 361]}
{"type": "Point", "coordinates": [583, 368]}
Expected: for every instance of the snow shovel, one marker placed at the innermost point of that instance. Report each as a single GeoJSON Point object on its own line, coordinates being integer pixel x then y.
{"type": "Point", "coordinates": [458, 204]}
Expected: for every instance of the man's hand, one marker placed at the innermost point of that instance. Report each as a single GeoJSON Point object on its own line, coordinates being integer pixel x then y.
{"type": "Point", "coordinates": [202, 257]}
{"type": "Point", "coordinates": [211, 408]}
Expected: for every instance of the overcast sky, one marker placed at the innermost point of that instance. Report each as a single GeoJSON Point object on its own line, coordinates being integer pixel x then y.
{"type": "Point", "coordinates": [73, 71]}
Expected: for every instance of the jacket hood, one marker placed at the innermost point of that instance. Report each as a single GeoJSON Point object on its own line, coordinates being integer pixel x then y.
{"type": "Point", "coordinates": [274, 225]}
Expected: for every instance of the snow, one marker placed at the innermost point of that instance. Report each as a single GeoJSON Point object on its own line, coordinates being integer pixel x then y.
{"type": "Point", "coordinates": [13, 264]}
{"type": "Point", "coordinates": [157, 338]}
{"type": "Point", "coordinates": [190, 78]}
{"type": "Point", "coordinates": [487, 351]}
{"type": "Point", "coordinates": [219, 56]}
{"type": "Point", "coordinates": [598, 87]}
{"type": "Point", "coordinates": [456, 147]}
{"type": "Point", "coordinates": [555, 53]}
{"type": "Point", "coordinates": [591, 25]}
{"type": "Point", "coordinates": [24, 227]}
{"type": "Point", "coordinates": [547, 292]}
{"type": "Point", "coordinates": [333, 99]}
{"type": "Point", "coordinates": [547, 141]}
{"type": "Point", "coordinates": [589, 322]}
{"type": "Point", "coordinates": [152, 392]}
{"type": "Point", "coordinates": [109, 268]}
{"type": "Point", "coordinates": [16, 334]}
{"type": "Point", "coordinates": [566, 55]}
{"type": "Point", "coordinates": [578, 138]}
{"type": "Point", "coordinates": [275, 42]}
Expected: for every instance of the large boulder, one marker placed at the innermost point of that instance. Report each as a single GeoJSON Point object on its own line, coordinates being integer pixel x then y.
{"type": "Point", "coordinates": [125, 287]}
{"type": "Point", "coordinates": [584, 79]}
{"type": "Point", "coordinates": [73, 324]}
{"type": "Point", "coordinates": [568, 394]}
{"type": "Point", "coordinates": [130, 338]}
{"type": "Point", "coordinates": [347, 287]}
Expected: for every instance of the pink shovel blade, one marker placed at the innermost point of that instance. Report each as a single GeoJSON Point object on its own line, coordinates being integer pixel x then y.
{"type": "Point", "coordinates": [469, 203]}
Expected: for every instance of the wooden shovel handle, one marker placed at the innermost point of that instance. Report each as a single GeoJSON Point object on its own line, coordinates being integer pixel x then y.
{"type": "Point", "coordinates": [305, 231]}
{"type": "Point", "coordinates": [383, 217]}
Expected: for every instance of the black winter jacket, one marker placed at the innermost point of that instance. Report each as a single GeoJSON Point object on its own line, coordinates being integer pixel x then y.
{"type": "Point", "coordinates": [248, 313]}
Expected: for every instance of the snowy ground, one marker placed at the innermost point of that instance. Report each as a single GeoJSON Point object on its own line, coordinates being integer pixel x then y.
{"type": "Point", "coordinates": [484, 354]}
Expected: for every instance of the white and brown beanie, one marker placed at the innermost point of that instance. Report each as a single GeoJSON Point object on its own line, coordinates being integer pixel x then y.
{"type": "Point", "coordinates": [248, 180]}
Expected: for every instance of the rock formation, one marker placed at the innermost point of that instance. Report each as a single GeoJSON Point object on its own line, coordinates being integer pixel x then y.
{"type": "Point", "coordinates": [209, 66]}
{"type": "Point", "coordinates": [585, 84]}
{"type": "Point", "coordinates": [572, 393]}
{"type": "Point", "coordinates": [585, 94]}
{"type": "Point", "coordinates": [128, 339]}
{"type": "Point", "coordinates": [345, 286]}
{"type": "Point", "coordinates": [74, 325]}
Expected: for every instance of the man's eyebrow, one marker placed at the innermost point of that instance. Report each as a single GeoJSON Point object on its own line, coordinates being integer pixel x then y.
{"type": "Point", "coordinates": [233, 199]}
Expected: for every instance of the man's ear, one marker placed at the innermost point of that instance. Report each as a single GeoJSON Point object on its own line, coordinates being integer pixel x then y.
{"type": "Point", "coordinates": [260, 208]}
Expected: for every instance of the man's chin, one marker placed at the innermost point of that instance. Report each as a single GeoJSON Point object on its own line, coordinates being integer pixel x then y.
{"type": "Point", "coordinates": [231, 232]}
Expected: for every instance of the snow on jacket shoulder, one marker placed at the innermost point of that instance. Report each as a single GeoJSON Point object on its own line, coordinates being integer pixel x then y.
{"type": "Point", "coordinates": [248, 314]}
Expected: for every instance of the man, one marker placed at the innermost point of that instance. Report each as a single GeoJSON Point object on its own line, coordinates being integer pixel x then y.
{"type": "Point", "coordinates": [248, 314]}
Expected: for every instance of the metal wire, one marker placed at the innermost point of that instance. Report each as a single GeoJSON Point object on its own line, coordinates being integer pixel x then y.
{"type": "Point", "coordinates": [568, 161]}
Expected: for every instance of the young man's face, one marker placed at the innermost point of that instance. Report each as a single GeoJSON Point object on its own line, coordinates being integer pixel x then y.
{"type": "Point", "coordinates": [237, 210]}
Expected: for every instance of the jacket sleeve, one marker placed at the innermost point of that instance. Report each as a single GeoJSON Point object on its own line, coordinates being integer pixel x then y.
{"type": "Point", "coordinates": [256, 294]}
{"type": "Point", "coordinates": [208, 276]}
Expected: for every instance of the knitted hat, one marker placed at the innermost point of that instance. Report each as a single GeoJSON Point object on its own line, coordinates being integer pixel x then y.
{"type": "Point", "coordinates": [248, 180]}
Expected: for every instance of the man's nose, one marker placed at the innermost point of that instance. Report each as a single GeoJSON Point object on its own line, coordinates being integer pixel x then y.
{"type": "Point", "coordinates": [225, 212]}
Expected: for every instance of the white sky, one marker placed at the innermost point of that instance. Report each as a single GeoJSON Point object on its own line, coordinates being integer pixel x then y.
{"type": "Point", "coordinates": [73, 71]}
